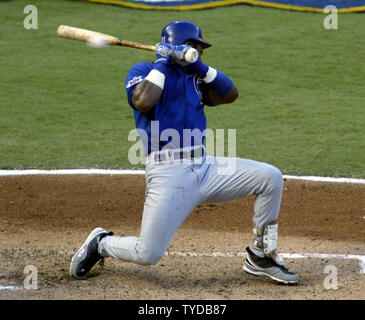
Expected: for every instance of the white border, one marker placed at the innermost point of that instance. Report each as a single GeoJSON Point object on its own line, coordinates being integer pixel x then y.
{"type": "Point", "coordinates": [142, 172]}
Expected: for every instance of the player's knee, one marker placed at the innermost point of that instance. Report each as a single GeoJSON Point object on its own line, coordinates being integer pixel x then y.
{"type": "Point", "coordinates": [150, 258]}
{"type": "Point", "coordinates": [274, 178]}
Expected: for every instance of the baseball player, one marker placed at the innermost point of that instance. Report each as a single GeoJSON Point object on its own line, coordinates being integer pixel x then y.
{"type": "Point", "coordinates": [168, 99]}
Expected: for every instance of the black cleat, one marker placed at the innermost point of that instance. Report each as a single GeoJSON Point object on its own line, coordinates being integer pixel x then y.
{"type": "Point", "coordinates": [87, 256]}
{"type": "Point", "coordinates": [268, 267]}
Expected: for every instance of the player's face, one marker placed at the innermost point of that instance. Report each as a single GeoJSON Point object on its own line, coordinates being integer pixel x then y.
{"type": "Point", "coordinates": [196, 45]}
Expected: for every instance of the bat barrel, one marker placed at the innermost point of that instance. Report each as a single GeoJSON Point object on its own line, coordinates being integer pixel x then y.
{"type": "Point", "coordinates": [85, 35]}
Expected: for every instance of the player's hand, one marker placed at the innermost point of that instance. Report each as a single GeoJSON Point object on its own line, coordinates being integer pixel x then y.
{"type": "Point", "coordinates": [198, 68]}
{"type": "Point", "coordinates": [178, 53]}
{"type": "Point", "coordinates": [163, 52]}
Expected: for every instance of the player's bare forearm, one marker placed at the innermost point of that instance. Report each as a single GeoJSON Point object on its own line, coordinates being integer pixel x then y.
{"type": "Point", "coordinates": [149, 91]}
{"type": "Point", "coordinates": [145, 96]}
{"type": "Point", "coordinates": [230, 97]}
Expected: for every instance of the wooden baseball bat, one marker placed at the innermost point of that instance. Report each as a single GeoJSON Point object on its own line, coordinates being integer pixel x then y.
{"type": "Point", "coordinates": [85, 35]}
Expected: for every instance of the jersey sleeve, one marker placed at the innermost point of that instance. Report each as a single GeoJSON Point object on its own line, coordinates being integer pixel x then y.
{"type": "Point", "coordinates": [135, 75]}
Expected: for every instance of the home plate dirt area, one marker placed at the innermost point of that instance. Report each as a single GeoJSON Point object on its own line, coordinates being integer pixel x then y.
{"type": "Point", "coordinates": [44, 219]}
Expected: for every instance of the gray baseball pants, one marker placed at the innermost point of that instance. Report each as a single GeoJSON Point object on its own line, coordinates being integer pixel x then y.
{"type": "Point", "coordinates": [174, 189]}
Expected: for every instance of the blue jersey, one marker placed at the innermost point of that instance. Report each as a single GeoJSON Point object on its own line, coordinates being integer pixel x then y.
{"type": "Point", "coordinates": [178, 119]}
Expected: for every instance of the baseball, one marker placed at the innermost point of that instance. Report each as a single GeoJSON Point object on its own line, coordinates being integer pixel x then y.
{"type": "Point", "coordinates": [97, 42]}
{"type": "Point", "coordinates": [191, 55]}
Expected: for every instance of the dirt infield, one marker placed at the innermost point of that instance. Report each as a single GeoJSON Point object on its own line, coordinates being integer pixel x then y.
{"type": "Point", "coordinates": [45, 219]}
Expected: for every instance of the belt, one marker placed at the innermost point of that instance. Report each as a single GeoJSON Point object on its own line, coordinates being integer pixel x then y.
{"type": "Point", "coordinates": [178, 154]}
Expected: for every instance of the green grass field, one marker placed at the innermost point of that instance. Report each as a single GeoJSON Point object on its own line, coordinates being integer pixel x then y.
{"type": "Point", "coordinates": [302, 87]}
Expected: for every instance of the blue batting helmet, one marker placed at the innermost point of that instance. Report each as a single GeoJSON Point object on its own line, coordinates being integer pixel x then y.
{"type": "Point", "coordinates": [178, 32]}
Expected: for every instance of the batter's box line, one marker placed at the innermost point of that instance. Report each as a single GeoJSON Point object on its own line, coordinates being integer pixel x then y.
{"type": "Point", "coordinates": [360, 258]}
{"type": "Point", "coordinates": [10, 287]}
{"type": "Point", "coordinates": [91, 171]}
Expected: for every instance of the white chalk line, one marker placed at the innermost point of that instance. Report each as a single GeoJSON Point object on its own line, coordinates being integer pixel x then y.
{"type": "Point", "coordinates": [10, 287]}
{"type": "Point", "coordinates": [70, 172]}
{"type": "Point", "coordinates": [142, 172]}
{"type": "Point", "coordinates": [360, 258]}
{"type": "Point", "coordinates": [325, 179]}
